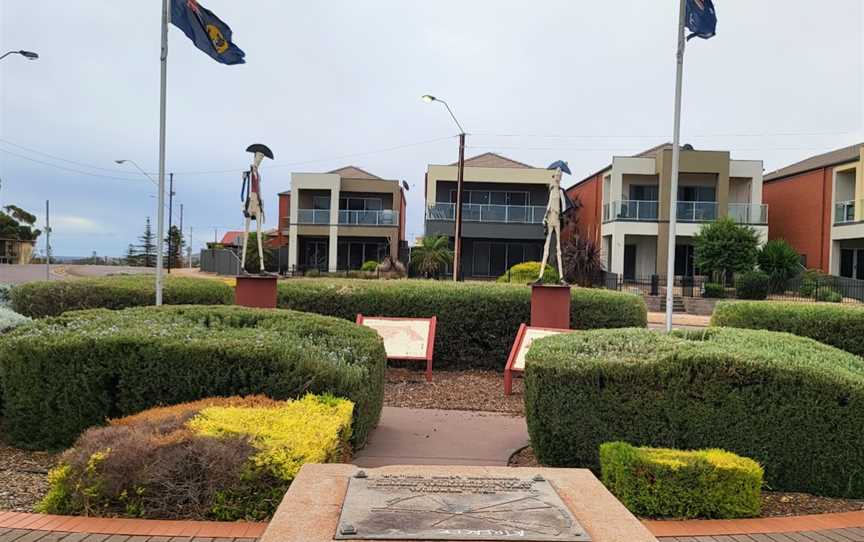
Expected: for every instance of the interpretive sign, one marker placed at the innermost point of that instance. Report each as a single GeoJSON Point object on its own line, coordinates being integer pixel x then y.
{"type": "Point", "coordinates": [411, 339]}
{"type": "Point", "coordinates": [414, 507]}
{"type": "Point", "coordinates": [524, 337]}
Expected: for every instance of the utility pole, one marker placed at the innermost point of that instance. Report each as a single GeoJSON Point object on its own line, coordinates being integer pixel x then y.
{"type": "Point", "coordinates": [189, 248]}
{"type": "Point", "coordinates": [170, 218]}
{"type": "Point", "coordinates": [180, 247]}
{"type": "Point", "coordinates": [215, 238]}
{"type": "Point", "coordinates": [457, 233]}
{"type": "Point", "coordinates": [47, 240]}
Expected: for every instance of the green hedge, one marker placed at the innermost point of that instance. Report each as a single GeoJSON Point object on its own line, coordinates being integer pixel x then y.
{"type": "Point", "coordinates": [62, 375]}
{"type": "Point", "coordinates": [477, 322]}
{"type": "Point", "coordinates": [790, 403]}
{"type": "Point", "coordinates": [753, 285]}
{"type": "Point", "coordinates": [841, 326]}
{"type": "Point", "coordinates": [40, 299]}
{"type": "Point", "coordinates": [660, 482]}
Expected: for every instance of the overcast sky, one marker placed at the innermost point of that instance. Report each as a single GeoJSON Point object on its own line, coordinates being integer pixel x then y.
{"type": "Point", "coordinates": [332, 83]}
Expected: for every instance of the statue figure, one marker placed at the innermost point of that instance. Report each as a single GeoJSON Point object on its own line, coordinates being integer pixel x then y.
{"type": "Point", "coordinates": [253, 206]}
{"type": "Point", "coordinates": [558, 204]}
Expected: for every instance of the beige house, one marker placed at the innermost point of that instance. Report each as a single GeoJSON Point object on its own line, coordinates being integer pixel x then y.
{"type": "Point", "coordinates": [15, 251]}
{"type": "Point", "coordinates": [338, 220]}
{"type": "Point", "coordinates": [626, 206]}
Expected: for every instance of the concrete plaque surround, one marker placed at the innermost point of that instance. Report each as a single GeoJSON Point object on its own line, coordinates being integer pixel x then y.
{"type": "Point", "coordinates": [311, 510]}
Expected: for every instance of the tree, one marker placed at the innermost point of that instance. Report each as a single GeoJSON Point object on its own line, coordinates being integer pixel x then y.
{"type": "Point", "coordinates": [432, 255]}
{"type": "Point", "coordinates": [132, 258]}
{"type": "Point", "coordinates": [723, 247]}
{"type": "Point", "coordinates": [780, 261]}
{"type": "Point", "coordinates": [147, 248]}
{"type": "Point", "coordinates": [174, 244]}
{"type": "Point", "coordinates": [582, 260]}
{"type": "Point", "coordinates": [16, 223]}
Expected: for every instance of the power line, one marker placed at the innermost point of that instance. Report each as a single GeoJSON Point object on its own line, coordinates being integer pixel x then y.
{"type": "Point", "coordinates": [34, 151]}
{"type": "Point", "coordinates": [72, 170]}
{"type": "Point", "coordinates": [648, 136]}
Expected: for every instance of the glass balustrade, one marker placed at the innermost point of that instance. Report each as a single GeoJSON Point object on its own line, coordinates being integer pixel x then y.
{"type": "Point", "coordinates": [472, 212]}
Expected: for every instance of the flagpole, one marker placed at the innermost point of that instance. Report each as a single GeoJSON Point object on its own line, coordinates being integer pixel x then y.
{"type": "Point", "coordinates": [676, 157]}
{"type": "Point", "coordinates": [160, 235]}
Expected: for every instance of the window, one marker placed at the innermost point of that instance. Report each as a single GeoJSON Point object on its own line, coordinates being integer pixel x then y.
{"type": "Point", "coordinates": [643, 192]}
{"type": "Point", "coordinates": [696, 193]}
{"type": "Point", "coordinates": [361, 204]}
{"type": "Point", "coordinates": [321, 202]}
{"type": "Point", "coordinates": [492, 197]}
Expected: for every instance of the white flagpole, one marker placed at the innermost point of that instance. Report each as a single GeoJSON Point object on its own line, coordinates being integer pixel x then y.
{"type": "Point", "coordinates": [160, 229]}
{"type": "Point", "coordinates": [676, 157]}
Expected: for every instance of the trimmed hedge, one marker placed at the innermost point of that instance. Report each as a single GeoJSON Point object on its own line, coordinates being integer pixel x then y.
{"type": "Point", "coordinates": [714, 291]}
{"type": "Point", "coordinates": [753, 285]}
{"type": "Point", "coordinates": [40, 299]}
{"type": "Point", "coordinates": [790, 403]}
{"type": "Point", "coordinates": [477, 322]}
{"type": "Point", "coordinates": [225, 459]}
{"type": "Point", "coordinates": [62, 375]}
{"type": "Point", "coordinates": [661, 482]}
{"type": "Point", "coordinates": [841, 326]}
{"type": "Point", "coordinates": [9, 320]}
{"type": "Point", "coordinates": [527, 273]}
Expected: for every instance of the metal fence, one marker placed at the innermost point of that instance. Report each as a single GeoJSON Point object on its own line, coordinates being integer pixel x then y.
{"type": "Point", "coordinates": [220, 261]}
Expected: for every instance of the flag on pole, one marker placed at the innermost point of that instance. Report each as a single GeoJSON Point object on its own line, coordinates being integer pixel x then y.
{"type": "Point", "coordinates": [206, 31]}
{"type": "Point", "coordinates": [701, 19]}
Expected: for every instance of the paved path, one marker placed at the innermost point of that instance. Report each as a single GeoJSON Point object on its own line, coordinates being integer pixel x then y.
{"type": "Point", "coordinates": [21, 274]}
{"type": "Point", "coordinates": [409, 436]}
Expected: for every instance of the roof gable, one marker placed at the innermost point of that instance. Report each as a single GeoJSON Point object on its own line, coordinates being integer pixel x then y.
{"type": "Point", "coordinates": [491, 159]}
{"type": "Point", "coordinates": [354, 172]}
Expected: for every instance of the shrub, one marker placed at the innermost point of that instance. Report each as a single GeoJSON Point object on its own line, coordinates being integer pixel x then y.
{"type": "Point", "coordinates": [10, 319]}
{"type": "Point", "coordinates": [793, 405]}
{"type": "Point", "coordinates": [5, 294]}
{"type": "Point", "coordinates": [528, 272]}
{"type": "Point", "coordinates": [39, 299]}
{"type": "Point", "coordinates": [62, 375]}
{"type": "Point", "coordinates": [813, 281]}
{"type": "Point", "coordinates": [660, 482]}
{"type": "Point", "coordinates": [829, 295]}
{"type": "Point", "coordinates": [838, 326]}
{"type": "Point", "coordinates": [714, 290]}
{"type": "Point", "coordinates": [780, 262]}
{"type": "Point", "coordinates": [724, 246]}
{"type": "Point", "coordinates": [752, 285]}
{"type": "Point", "coordinates": [477, 322]}
{"type": "Point", "coordinates": [225, 459]}
{"type": "Point", "coordinates": [369, 266]}
{"type": "Point", "coordinates": [312, 273]}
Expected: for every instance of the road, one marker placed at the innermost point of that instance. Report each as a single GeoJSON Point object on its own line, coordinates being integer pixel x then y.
{"type": "Point", "coordinates": [20, 274]}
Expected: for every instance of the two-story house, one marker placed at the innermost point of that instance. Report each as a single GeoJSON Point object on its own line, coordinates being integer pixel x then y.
{"type": "Point", "coordinates": [817, 205]}
{"type": "Point", "coordinates": [336, 221]}
{"type": "Point", "coordinates": [504, 203]}
{"type": "Point", "coordinates": [626, 206]}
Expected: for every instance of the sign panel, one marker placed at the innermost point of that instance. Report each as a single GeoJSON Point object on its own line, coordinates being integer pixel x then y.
{"type": "Point", "coordinates": [405, 338]}
{"type": "Point", "coordinates": [524, 337]}
{"type": "Point", "coordinates": [401, 507]}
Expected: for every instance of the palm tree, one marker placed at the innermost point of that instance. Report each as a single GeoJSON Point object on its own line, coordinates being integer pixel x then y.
{"type": "Point", "coordinates": [431, 255]}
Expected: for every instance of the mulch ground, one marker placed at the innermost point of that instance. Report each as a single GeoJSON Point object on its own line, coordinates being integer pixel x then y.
{"type": "Point", "coordinates": [23, 478]}
{"type": "Point", "coordinates": [774, 503]}
{"type": "Point", "coordinates": [452, 390]}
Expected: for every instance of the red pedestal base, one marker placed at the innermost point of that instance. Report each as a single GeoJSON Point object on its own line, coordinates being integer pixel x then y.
{"type": "Point", "coordinates": [550, 306]}
{"type": "Point", "coordinates": [257, 291]}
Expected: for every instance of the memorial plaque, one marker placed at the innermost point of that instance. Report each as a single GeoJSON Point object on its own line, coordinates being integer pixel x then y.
{"type": "Point", "coordinates": [402, 507]}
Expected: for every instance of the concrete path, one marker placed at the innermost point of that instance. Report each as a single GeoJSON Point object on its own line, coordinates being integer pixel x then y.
{"type": "Point", "coordinates": [409, 436]}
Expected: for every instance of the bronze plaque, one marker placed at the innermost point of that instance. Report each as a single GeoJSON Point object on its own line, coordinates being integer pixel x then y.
{"type": "Point", "coordinates": [399, 507]}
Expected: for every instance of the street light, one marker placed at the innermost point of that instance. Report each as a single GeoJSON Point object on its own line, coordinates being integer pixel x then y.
{"type": "Point", "coordinates": [29, 55]}
{"type": "Point", "coordinates": [460, 175]}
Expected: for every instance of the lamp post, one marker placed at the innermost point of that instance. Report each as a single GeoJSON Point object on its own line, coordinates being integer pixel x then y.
{"type": "Point", "coordinates": [160, 228]}
{"type": "Point", "coordinates": [29, 55]}
{"type": "Point", "coordinates": [460, 174]}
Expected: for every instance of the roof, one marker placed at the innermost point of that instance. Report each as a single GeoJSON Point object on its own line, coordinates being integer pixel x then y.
{"type": "Point", "coordinates": [232, 238]}
{"type": "Point", "coordinates": [491, 159]}
{"type": "Point", "coordinates": [354, 172]}
{"type": "Point", "coordinates": [828, 159]}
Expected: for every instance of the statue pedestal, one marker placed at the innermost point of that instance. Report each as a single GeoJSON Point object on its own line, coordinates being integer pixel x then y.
{"type": "Point", "coordinates": [550, 306]}
{"type": "Point", "coordinates": [256, 291]}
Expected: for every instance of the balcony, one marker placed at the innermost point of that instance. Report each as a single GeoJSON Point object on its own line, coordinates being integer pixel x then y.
{"type": "Point", "coordinates": [633, 210]}
{"type": "Point", "coordinates": [697, 211]}
{"type": "Point", "coordinates": [844, 212]}
{"type": "Point", "coordinates": [313, 216]}
{"type": "Point", "coordinates": [472, 212]}
{"type": "Point", "coordinates": [384, 217]}
{"type": "Point", "coordinates": [748, 213]}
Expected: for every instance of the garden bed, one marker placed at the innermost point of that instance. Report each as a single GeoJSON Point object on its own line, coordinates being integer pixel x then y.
{"type": "Point", "coordinates": [774, 503]}
{"type": "Point", "coordinates": [452, 390]}
{"type": "Point", "coordinates": [23, 478]}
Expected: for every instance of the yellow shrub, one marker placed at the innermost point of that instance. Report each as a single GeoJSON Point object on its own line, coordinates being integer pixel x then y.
{"type": "Point", "coordinates": [311, 430]}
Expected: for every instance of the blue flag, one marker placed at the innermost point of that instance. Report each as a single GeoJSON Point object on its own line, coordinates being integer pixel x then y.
{"type": "Point", "coordinates": [206, 31]}
{"type": "Point", "coordinates": [701, 19]}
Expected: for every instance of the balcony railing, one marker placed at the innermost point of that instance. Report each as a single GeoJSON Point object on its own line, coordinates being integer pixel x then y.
{"type": "Point", "coordinates": [313, 216]}
{"type": "Point", "coordinates": [697, 211]}
{"type": "Point", "coordinates": [384, 217]}
{"type": "Point", "coordinates": [637, 210]}
{"type": "Point", "coordinates": [748, 213]}
{"type": "Point", "coordinates": [473, 212]}
{"type": "Point", "coordinates": [844, 212]}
